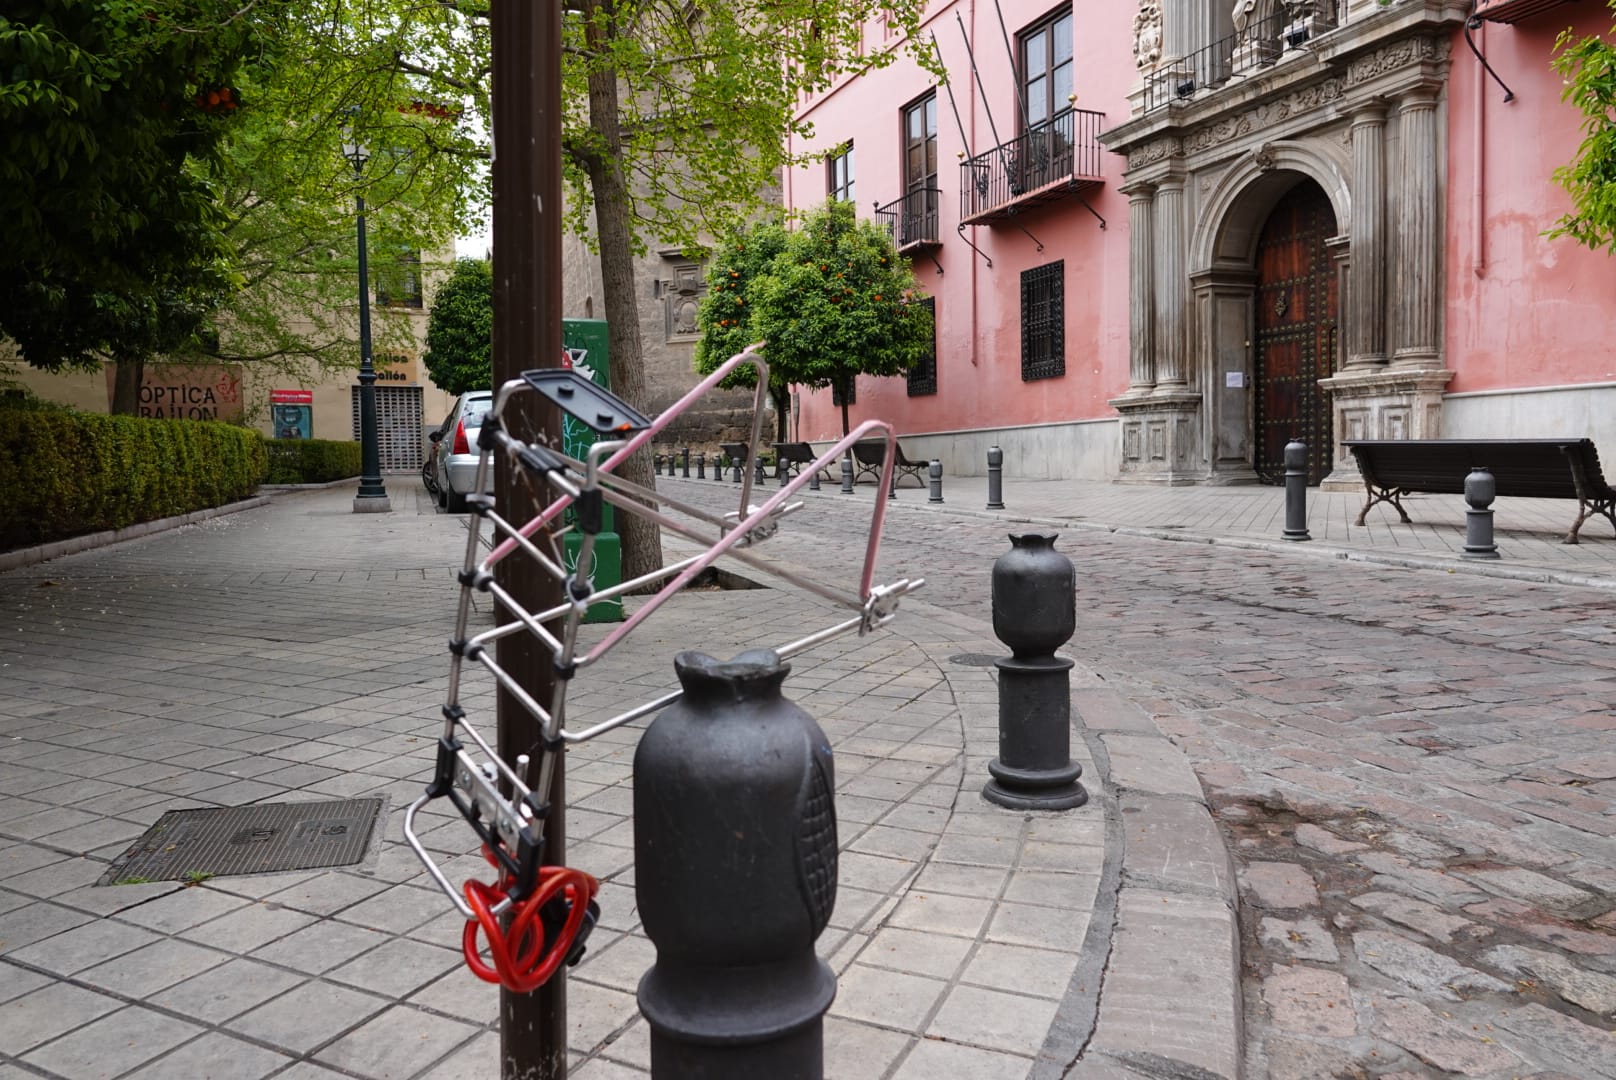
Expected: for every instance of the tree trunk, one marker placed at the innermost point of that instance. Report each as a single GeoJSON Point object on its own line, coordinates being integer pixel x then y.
{"type": "Point", "coordinates": [129, 374]}
{"type": "Point", "coordinates": [782, 403]}
{"type": "Point", "coordinates": [847, 385]}
{"type": "Point", "coordinates": [642, 539]}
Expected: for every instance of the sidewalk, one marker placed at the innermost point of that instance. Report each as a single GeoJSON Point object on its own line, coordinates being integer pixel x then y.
{"type": "Point", "coordinates": [294, 652]}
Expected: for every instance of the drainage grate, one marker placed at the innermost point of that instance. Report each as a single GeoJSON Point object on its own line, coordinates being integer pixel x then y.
{"type": "Point", "coordinates": [257, 839]}
{"type": "Point", "coordinates": [973, 659]}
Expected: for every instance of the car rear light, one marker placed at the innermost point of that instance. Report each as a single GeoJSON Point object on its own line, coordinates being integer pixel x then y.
{"type": "Point", "coordinates": [461, 446]}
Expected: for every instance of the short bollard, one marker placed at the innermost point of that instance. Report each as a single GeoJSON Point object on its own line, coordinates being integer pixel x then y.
{"type": "Point", "coordinates": [892, 488]}
{"type": "Point", "coordinates": [813, 478]}
{"type": "Point", "coordinates": [735, 875]}
{"type": "Point", "coordinates": [995, 478]}
{"type": "Point", "coordinates": [1035, 613]}
{"type": "Point", "coordinates": [757, 471]}
{"type": "Point", "coordinates": [934, 480]}
{"type": "Point", "coordinates": [1479, 491]}
{"type": "Point", "coordinates": [847, 476]}
{"type": "Point", "coordinates": [1296, 491]}
{"type": "Point", "coordinates": [718, 467]}
{"type": "Point", "coordinates": [701, 465]}
{"type": "Point", "coordinates": [684, 462]}
{"type": "Point", "coordinates": [782, 469]}
{"type": "Point", "coordinates": [735, 470]}
{"type": "Point", "coordinates": [673, 462]}
{"type": "Point", "coordinates": [656, 464]}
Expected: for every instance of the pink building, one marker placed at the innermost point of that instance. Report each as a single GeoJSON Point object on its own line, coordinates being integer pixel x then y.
{"type": "Point", "coordinates": [1163, 238]}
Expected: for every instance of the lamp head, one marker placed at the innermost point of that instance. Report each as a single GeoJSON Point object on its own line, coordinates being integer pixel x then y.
{"type": "Point", "coordinates": [356, 152]}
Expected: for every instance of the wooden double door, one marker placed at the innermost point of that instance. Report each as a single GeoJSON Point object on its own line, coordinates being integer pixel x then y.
{"type": "Point", "coordinates": [1298, 304]}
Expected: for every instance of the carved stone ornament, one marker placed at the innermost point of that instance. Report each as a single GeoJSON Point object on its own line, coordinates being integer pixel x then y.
{"type": "Point", "coordinates": [1151, 152]}
{"type": "Point", "coordinates": [1307, 99]}
{"type": "Point", "coordinates": [1263, 157]}
{"type": "Point", "coordinates": [1147, 36]}
{"type": "Point", "coordinates": [1399, 54]}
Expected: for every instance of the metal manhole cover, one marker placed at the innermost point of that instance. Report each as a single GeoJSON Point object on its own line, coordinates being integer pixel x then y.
{"type": "Point", "coordinates": [973, 659]}
{"type": "Point", "coordinates": [259, 839]}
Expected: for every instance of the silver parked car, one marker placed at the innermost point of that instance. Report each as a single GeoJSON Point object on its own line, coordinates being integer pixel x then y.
{"type": "Point", "coordinates": [456, 451]}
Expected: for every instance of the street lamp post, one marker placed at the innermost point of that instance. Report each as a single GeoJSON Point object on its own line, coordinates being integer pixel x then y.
{"type": "Point", "coordinates": [372, 496]}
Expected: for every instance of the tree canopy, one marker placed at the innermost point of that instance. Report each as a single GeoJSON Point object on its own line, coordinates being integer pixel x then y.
{"type": "Point", "coordinates": [831, 300]}
{"type": "Point", "coordinates": [1588, 66]}
{"type": "Point", "coordinates": [460, 330]}
{"type": "Point", "coordinates": [112, 116]}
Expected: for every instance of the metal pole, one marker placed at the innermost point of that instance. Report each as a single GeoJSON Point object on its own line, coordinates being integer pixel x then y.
{"type": "Point", "coordinates": [527, 331]}
{"type": "Point", "coordinates": [1479, 491]}
{"type": "Point", "coordinates": [1296, 491]}
{"type": "Point", "coordinates": [995, 478]}
{"type": "Point", "coordinates": [372, 497]}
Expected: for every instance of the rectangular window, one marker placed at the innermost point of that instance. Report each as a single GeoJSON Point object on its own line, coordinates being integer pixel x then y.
{"type": "Point", "coordinates": [923, 376]}
{"type": "Point", "coordinates": [839, 173]}
{"type": "Point", "coordinates": [836, 394]}
{"type": "Point", "coordinates": [1046, 67]}
{"type": "Point", "coordinates": [1043, 322]}
{"type": "Point", "coordinates": [398, 280]}
{"type": "Point", "coordinates": [920, 144]}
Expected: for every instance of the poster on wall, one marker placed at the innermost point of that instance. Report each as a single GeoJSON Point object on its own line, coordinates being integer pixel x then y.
{"type": "Point", "coordinates": [186, 391]}
{"type": "Point", "coordinates": [291, 413]}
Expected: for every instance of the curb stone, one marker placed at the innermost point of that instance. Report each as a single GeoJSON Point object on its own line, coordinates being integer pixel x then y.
{"type": "Point", "coordinates": [12, 560]}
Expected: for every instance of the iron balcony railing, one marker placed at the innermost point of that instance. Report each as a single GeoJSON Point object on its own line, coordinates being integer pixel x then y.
{"type": "Point", "coordinates": [1260, 44]}
{"type": "Point", "coordinates": [1063, 150]}
{"type": "Point", "coordinates": [912, 219]}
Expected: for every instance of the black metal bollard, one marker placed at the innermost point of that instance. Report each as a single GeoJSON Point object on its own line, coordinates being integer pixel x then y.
{"type": "Point", "coordinates": [735, 875]}
{"type": "Point", "coordinates": [1296, 491]}
{"type": "Point", "coordinates": [701, 465]}
{"type": "Point", "coordinates": [1035, 613]}
{"type": "Point", "coordinates": [847, 476]}
{"type": "Point", "coordinates": [892, 489]}
{"type": "Point", "coordinates": [673, 461]}
{"type": "Point", "coordinates": [757, 470]}
{"type": "Point", "coordinates": [813, 479]}
{"type": "Point", "coordinates": [656, 464]}
{"type": "Point", "coordinates": [735, 470]}
{"type": "Point", "coordinates": [1479, 491]}
{"type": "Point", "coordinates": [684, 462]}
{"type": "Point", "coordinates": [995, 478]}
{"type": "Point", "coordinates": [934, 481]}
{"type": "Point", "coordinates": [782, 468]}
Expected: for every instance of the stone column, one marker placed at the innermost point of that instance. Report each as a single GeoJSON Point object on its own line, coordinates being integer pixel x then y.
{"type": "Point", "coordinates": [1141, 298]}
{"type": "Point", "coordinates": [1366, 317]}
{"type": "Point", "coordinates": [1419, 232]}
{"type": "Point", "coordinates": [1172, 284]}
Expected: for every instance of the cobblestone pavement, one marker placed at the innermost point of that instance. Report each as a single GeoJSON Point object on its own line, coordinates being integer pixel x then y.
{"type": "Point", "coordinates": [1413, 768]}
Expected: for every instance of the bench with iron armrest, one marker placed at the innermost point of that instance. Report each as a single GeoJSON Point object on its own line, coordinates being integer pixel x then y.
{"type": "Point", "coordinates": [870, 454]}
{"type": "Point", "coordinates": [791, 457]}
{"type": "Point", "coordinates": [1524, 468]}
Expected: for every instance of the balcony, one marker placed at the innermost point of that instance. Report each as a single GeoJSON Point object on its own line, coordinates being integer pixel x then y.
{"type": "Point", "coordinates": [912, 221]}
{"type": "Point", "coordinates": [1050, 161]}
{"type": "Point", "coordinates": [1245, 52]}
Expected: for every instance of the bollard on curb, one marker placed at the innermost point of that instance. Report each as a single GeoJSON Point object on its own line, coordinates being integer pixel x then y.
{"type": "Point", "coordinates": [1296, 491]}
{"type": "Point", "coordinates": [684, 456]}
{"type": "Point", "coordinates": [757, 470]}
{"type": "Point", "coordinates": [1035, 613]}
{"type": "Point", "coordinates": [735, 470]}
{"type": "Point", "coordinates": [847, 475]}
{"type": "Point", "coordinates": [1479, 491]}
{"type": "Point", "coordinates": [995, 478]}
{"type": "Point", "coordinates": [701, 465]}
{"type": "Point", "coordinates": [934, 481]}
{"type": "Point", "coordinates": [813, 478]}
{"type": "Point", "coordinates": [735, 866]}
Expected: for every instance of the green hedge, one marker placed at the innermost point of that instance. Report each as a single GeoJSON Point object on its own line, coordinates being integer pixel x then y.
{"type": "Point", "coordinates": [64, 474]}
{"type": "Point", "coordinates": [312, 461]}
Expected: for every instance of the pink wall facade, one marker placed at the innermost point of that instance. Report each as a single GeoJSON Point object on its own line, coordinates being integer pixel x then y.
{"type": "Point", "coordinates": [1522, 310]}
{"type": "Point", "coordinates": [977, 305]}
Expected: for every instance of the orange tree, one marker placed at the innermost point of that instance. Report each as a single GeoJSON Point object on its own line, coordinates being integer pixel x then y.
{"type": "Point", "coordinates": [832, 300]}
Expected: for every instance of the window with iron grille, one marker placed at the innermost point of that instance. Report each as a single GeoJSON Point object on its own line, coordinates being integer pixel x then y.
{"type": "Point", "coordinates": [1043, 322]}
{"type": "Point", "coordinates": [923, 376]}
{"type": "Point", "coordinates": [398, 280]}
{"type": "Point", "coordinates": [839, 173]}
{"type": "Point", "coordinates": [836, 394]}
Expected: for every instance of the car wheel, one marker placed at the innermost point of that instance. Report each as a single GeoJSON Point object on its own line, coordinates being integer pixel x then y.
{"type": "Point", "coordinates": [443, 497]}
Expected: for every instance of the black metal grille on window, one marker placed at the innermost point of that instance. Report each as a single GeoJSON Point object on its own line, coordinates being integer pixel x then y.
{"type": "Point", "coordinates": [923, 376]}
{"type": "Point", "coordinates": [836, 394]}
{"type": "Point", "coordinates": [1043, 322]}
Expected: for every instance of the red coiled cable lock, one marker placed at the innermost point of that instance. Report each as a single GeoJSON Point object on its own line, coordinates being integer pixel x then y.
{"type": "Point", "coordinates": [528, 951]}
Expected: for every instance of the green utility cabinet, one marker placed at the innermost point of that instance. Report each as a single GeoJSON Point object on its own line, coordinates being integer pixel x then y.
{"type": "Point", "coordinates": [584, 342]}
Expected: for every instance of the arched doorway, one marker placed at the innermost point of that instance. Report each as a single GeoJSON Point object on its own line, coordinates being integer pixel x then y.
{"type": "Point", "coordinates": [1297, 314]}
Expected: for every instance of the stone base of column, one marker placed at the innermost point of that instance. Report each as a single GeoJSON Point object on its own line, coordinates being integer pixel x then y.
{"type": "Point", "coordinates": [1161, 437]}
{"type": "Point", "coordinates": [372, 504]}
{"type": "Point", "coordinates": [1381, 403]}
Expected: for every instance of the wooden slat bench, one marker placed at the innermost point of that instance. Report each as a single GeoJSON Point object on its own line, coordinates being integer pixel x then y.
{"type": "Point", "coordinates": [1523, 468]}
{"type": "Point", "coordinates": [791, 457]}
{"type": "Point", "coordinates": [870, 454]}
